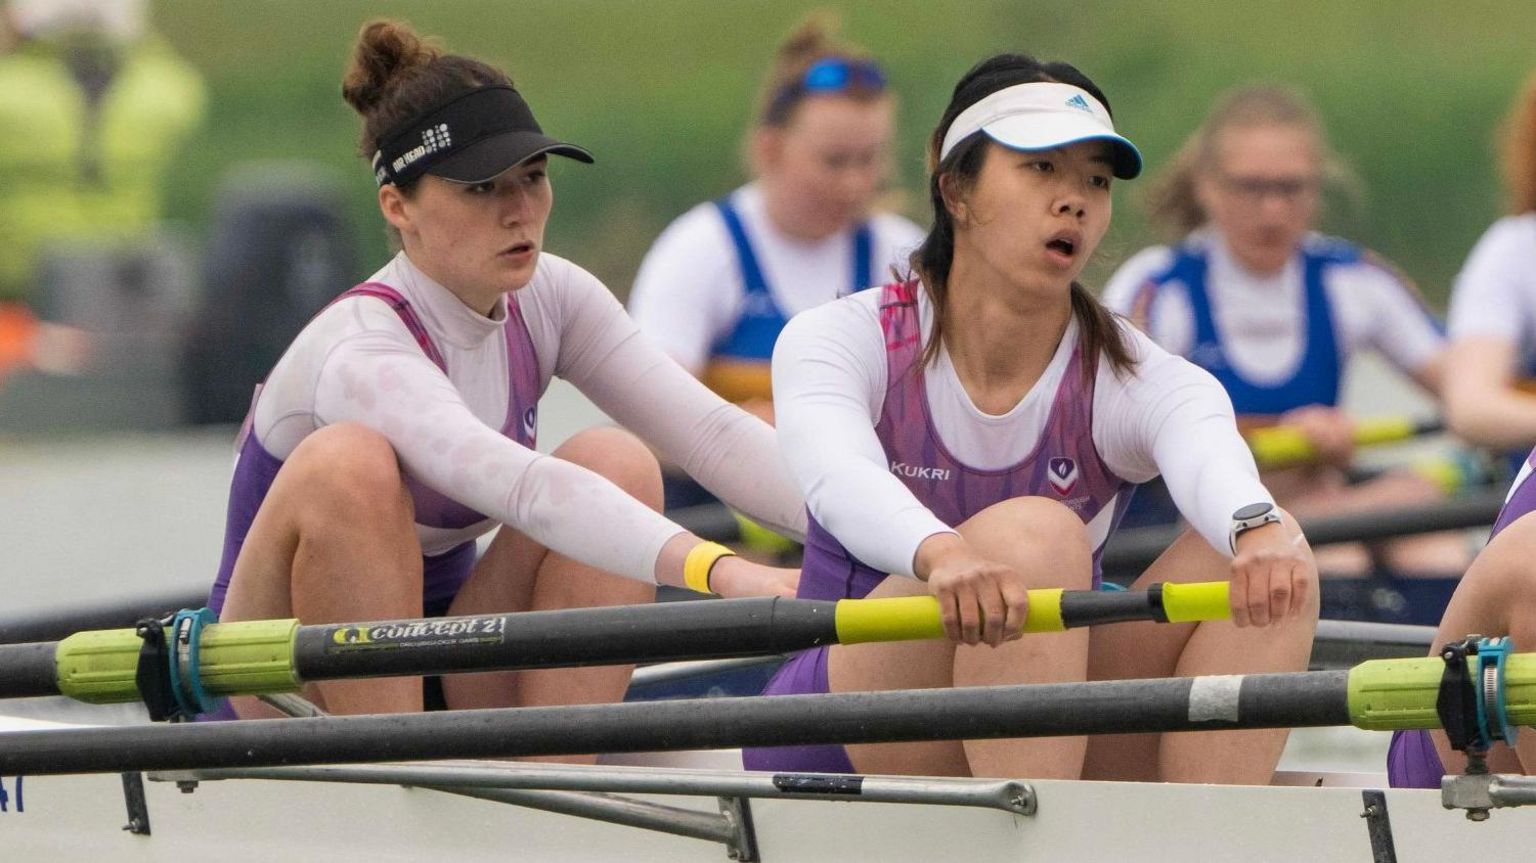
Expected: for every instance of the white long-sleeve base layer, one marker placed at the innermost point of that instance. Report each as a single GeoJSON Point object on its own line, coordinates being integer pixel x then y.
{"type": "Point", "coordinates": [357, 362]}
{"type": "Point", "coordinates": [829, 385]}
{"type": "Point", "coordinates": [1262, 319]}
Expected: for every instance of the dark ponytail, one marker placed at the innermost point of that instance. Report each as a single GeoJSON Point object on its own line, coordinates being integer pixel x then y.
{"type": "Point", "coordinates": [931, 262]}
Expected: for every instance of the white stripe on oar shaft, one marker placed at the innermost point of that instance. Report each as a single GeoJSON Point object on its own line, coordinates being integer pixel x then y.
{"type": "Point", "coordinates": [1215, 698]}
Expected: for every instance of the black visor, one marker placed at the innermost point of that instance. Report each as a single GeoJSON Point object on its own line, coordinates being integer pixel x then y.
{"type": "Point", "coordinates": [470, 139]}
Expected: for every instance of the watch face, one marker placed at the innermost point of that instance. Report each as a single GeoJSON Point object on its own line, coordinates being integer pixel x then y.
{"type": "Point", "coordinates": [1252, 510]}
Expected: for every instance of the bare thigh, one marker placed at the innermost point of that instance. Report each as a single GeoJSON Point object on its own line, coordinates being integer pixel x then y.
{"type": "Point", "coordinates": [1045, 542]}
{"type": "Point", "coordinates": [1143, 650]}
{"type": "Point", "coordinates": [518, 574]}
{"type": "Point", "coordinates": [334, 541]}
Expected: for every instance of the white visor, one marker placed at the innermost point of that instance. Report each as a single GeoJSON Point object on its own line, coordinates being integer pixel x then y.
{"type": "Point", "coordinates": [1042, 116]}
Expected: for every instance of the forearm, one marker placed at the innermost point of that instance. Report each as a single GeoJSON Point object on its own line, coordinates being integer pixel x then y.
{"type": "Point", "coordinates": [730, 452]}
{"type": "Point", "coordinates": [1482, 402]}
{"type": "Point", "coordinates": [1207, 466]}
{"type": "Point", "coordinates": [1502, 418]}
{"type": "Point", "coordinates": [736, 456]}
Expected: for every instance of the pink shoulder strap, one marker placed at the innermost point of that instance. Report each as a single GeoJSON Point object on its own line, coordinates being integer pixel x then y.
{"type": "Point", "coordinates": [402, 307]}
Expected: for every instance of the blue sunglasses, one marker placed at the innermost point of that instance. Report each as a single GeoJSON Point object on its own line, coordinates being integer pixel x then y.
{"type": "Point", "coordinates": [831, 75]}
{"type": "Point", "coordinates": [835, 73]}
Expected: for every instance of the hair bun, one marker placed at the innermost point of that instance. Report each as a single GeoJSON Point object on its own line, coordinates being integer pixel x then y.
{"type": "Point", "coordinates": [813, 37]}
{"type": "Point", "coordinates": [386, 50]}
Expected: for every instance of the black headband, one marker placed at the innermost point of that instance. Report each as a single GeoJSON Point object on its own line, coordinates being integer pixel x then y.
{"type": "Point", "coordinates": [469, 139]}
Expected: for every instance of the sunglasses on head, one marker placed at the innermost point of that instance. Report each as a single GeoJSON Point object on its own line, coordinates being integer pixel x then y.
{"type": "Point", "coordinates": [831, 75]}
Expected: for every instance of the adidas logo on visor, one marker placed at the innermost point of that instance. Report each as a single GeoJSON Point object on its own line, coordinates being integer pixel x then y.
{"type": "Point", "coordinates": [1079, 103]}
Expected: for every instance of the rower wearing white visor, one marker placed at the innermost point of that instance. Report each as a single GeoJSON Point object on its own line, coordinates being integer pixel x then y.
{"type": "Point", "coordinates": [399, 425]}
{"type": "Point", "coordinates": [972, 433]}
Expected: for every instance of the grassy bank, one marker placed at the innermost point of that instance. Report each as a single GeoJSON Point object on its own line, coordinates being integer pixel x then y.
{"type": "Point", "coordinates": [661, 90]}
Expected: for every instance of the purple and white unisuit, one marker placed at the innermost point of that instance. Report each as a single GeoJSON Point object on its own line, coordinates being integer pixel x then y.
{"type": "Point", "coordinates": [455, 393]}
{"type": "Point", "coordinates": [891, 451]}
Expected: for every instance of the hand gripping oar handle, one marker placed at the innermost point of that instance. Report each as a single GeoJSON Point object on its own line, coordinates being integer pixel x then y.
{"type": "Point", "coordinates": [1050, 610]}
{"type": "Point", "coordinates": [1283, 446]}
{"type": "Point", "coordinates": [257, 657]}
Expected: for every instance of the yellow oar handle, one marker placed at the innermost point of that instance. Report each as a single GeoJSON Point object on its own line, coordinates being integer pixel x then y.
{"type": "Point", "coordinates": [905, 618]}
{"type": "Point", "coordinates": [1280, 446]}
{"type": "Point", "coordinates": [1199, 600]}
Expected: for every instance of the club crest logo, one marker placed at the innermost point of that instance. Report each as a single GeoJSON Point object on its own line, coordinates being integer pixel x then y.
{"type": "Point", "coordinates": [530, 421]}
{"type": "Point", "coordinates": [1062, 473]}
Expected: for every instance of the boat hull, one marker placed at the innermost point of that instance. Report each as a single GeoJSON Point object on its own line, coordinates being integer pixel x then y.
{"type": "Point", "coordinates": [82, 818]}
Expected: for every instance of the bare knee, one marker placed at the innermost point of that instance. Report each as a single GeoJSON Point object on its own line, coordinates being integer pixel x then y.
{"type": "Point", "coordinates": [1033, 532]}
{"type": "Point", "coordinates": [1035, 516]}
{"type": "Point", "coordinates": [349, 469]}
{"type": "Point", "coordinates": [619, 457]}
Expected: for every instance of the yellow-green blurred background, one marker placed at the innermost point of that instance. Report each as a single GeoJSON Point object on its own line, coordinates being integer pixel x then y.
{"type": "Point", "coordinates": [661, 90]}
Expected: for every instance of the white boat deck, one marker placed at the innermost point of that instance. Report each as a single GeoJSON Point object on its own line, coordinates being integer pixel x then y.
{"type": "Point", "coordinates": [81, 818]}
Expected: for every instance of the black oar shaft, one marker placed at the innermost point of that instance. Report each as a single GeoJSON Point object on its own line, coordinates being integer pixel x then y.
{"type": "Point", "coordinates": [1168, 704]}
{"type": "Point", "coordinates": [27, 670]}
{"type": "Point", "coordinates": [252, 657]}
{"type": "Point", "coordinates": [572, 637]}
{"type": "Point", "coordinates": [1091, 608]}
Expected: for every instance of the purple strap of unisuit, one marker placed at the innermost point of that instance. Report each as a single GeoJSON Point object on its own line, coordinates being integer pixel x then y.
{"type": "Point", "coordinates": [402, 308]}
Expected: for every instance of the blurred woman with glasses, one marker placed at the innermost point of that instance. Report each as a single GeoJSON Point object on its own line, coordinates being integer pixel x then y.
{"type": "Point", "coordinates": [1275, 310]}
{"type": "Point", "coordinates": [723, 279]}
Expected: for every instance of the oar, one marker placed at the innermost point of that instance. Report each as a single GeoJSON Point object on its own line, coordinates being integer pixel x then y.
{"type": "Point", "coordinates": [1381, 694]}
{"type": "Point", "coordinates": [260, 657]}
{"type": "Point", "coordinates": [1285, 446]}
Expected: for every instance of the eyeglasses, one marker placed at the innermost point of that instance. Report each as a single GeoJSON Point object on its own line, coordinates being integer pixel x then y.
{"type": "Point", "coordinates": [830, 75]}
{"type": "Point", "coordinates": [1257, 189]}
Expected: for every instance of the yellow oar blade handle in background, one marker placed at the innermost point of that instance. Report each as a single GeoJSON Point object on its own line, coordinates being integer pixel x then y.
{"type": "Point", "coordinates": [1280, 446]}
{"type": "Point", "coordinates": [1385, 430]}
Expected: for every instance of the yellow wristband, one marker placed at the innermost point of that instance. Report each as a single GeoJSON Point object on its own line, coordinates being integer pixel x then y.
{"type": "Point", "coordinates": [700, 560]}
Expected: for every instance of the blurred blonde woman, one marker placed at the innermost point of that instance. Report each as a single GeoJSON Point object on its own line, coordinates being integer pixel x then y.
{"type": "Point", "coordinates": [723, 279]}
{"type": "Point", "coordinates": [1252, 293]}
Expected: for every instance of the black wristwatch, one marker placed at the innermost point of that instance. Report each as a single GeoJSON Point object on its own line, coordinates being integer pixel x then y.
{"type": "Point", "coordinates": [1249, 517]}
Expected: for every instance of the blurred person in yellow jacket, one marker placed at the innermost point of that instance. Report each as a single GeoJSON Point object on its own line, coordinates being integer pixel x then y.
{"type": "Point", "coordinates": [103, 105]}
